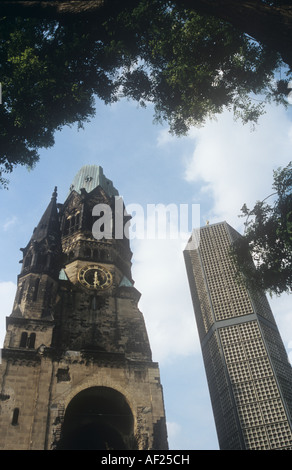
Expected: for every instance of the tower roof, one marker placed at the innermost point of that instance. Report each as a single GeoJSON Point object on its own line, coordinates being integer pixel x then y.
{"type": "Point", "coordinates": [91, 176]}
{"type": "Point", "coordinates": [48, 227]}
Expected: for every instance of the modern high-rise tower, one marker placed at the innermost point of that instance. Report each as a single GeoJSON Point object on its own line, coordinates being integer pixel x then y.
{"type": "Point", "coordinates": [77, 370]}
{"type": "Point", "coordinates": [247, 368]}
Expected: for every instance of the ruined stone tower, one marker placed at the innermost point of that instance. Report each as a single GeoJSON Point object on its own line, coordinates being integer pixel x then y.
{"type": "Point", "coordinates": [77, 371]}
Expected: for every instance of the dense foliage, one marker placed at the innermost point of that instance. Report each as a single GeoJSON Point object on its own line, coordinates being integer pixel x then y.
{"type": "Point", "coordinates": [268, 239]}
{"type": "Point", "coordinates": [190, 67]}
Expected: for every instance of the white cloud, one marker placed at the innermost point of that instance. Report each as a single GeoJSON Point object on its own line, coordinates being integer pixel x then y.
{"type": "Point", "coordinates": [7, 294]}
{"type": "Point", "coordinates": [9, 223]}
{"type": "Point", "coordinates": [173, 430]}
{"type": "Point", "coordinates": [160, 275]}
{"type": "Point", "coordinates": [232, 165]}
{"type": "Point", "coordinates": [165, 138]}
{"type": "Point", "coordinates": [281, 307]}
{"type": "Point", "coordinates": [235, 165]}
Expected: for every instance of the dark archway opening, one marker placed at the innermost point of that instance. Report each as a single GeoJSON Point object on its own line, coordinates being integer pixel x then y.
{"type": "Point", "coordinates": [98, 418]}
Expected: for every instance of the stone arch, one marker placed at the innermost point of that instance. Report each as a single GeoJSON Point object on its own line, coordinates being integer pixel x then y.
{"type": "Point", "coordinates": [107, 381]}
{"type": "Point", "coordinates": [98, 418]}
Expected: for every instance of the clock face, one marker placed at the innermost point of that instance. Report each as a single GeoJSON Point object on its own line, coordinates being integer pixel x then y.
{"type": "Point", "coordinates": [95, 277]}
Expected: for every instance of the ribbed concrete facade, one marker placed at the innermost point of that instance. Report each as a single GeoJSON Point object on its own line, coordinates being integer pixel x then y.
{"type": "Point", "coordinates": [248, 372]}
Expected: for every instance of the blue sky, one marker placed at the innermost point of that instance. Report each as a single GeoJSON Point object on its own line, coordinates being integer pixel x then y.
{"type": "Point", "coordinates": [219, 166]}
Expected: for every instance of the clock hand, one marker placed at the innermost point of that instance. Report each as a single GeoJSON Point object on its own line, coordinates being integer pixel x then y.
{"type": "Point", "coordinates": [96, 282]}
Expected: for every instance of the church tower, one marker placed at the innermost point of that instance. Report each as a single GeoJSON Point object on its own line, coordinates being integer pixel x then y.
{"type": "Point", "coordinates": [77, 370]}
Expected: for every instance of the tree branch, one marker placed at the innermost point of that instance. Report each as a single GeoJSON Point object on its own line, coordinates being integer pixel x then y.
{"type": "Point", "coordinates": [50, 9]}
{"type": "Point", "coordinates": [270, 25]}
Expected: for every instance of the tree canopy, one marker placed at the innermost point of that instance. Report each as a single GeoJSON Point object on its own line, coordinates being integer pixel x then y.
{"type": "Point", "coordinates": [188, 65]}
{"type": "Point", "coordinates": [268, 239]}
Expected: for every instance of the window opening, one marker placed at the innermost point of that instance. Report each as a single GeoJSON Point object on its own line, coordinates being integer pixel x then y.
{"type": "Point", "coordinates": [27, 262]}
{"type": "Point", "coordinates": [31, 341]}
{"type": "Point", "coordinates": [20, 293]}
{"type": "Point", "coordinates": [15, 416]}
{"type": "Point", "coordinates": [23, 340]}
{"type": "Point", "coordinates": [36, 288]}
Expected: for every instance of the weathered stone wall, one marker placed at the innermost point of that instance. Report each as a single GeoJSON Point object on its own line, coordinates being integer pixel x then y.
{"type": "Point", "coordinates": [41, 388]}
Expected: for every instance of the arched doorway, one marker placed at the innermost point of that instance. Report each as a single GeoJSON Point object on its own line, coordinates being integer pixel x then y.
{"type": "Point", "coordinates": [98, 418]}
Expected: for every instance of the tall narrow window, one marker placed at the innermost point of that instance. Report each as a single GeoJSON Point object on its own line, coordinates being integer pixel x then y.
{"type": "Point", "coordinates": [77, 221]}
{"type": "Point", "coordinates": [72, 224]}
{"type": "Point", "coordinates": [31, 341]}
{"type": "Point", "coordinates": [66, 226]}
{"type": "Point", "coordinates": [15, 415]}
{"type": "Point", "coordinates": [23, 340]}
{"type": "Point", "coordinates": [27, 262]}
{"type": "Point", "coordinates": [49, 294]}
{"type": "Point", "coordinates": [20, 293]}
{"type": "Point", "coordinates": [42, 259]}
{"type": "Point", "coordinates": [36, 288]}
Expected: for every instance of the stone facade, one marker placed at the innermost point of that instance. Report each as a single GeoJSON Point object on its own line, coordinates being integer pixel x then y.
{"type": "Point", "coordinates": [77, 370]}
